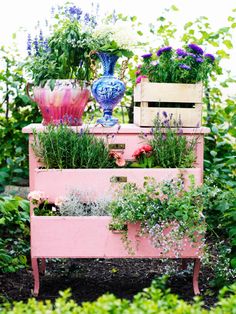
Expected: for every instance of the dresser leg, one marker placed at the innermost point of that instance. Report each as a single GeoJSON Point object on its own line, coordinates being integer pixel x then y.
{"type": "Point", "coordinates": [196, 270]}
{"type": "Point", "coordinates": [43, 266]}
{"type": "Point", "coordinates": [35, 268]}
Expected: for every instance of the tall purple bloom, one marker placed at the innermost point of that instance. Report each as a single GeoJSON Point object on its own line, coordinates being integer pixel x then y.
{"type": "Point", "coordinates": [180, 52]}
{"type": "Point", "coordinates": [41, 36]}
{"type": "Point", "coordinates": [209, 56]}
{"type": "Point", "coordinates": [29, 43]}
{"type": "Point", "coordinates": [165, 114]}
{"type": "Point", "coordinates": [184, 66]}
{"type": "Point", "coordinates": [190, 54]}
{"type": "Point", "coordinates": [86, 18]}
{"type": "Point", "coordinates": [146, 55]}
{"type": "Point", "coordinates": [36, 46]}
{"type": "Point", "coordinates": [164, 49]}
{"type": "Point", "coordinates": [195, 48]}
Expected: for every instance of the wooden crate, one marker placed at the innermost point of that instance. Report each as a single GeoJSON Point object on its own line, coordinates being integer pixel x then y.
{"type": "Point", "coordinates": [174, 95]}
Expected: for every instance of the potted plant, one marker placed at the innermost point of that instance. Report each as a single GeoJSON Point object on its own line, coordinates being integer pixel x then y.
{"type": "Point", "coordinates": [172, 80]}
{"type": "Point", "coordinates": [60, 67]}
{"type": "Point", "coordinates": [111, 42]}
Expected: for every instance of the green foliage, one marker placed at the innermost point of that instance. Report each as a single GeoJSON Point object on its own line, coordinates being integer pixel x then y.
{"type": "Point", "coordinates": [180, 66]}
{"type": "Point", "coordinates": [151, 300]}
{"type": "Point", "coordinates": [14, 233]}
{"type": "Point", "coordinates": [158, 207]}
{"type": "Point", "coordinates": [16, 111]}
{"type": "Point", "coordinates": [171, 149]}
{"type": "Point", "coordinates": [60, 147]}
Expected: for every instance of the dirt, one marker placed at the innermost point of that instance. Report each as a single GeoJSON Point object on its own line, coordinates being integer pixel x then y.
{"type": "Point", "coordinates": [90, 278]}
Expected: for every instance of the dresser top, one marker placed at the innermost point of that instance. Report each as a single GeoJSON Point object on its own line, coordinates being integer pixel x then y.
{"type": "Point", "coordinates": [120, 128]}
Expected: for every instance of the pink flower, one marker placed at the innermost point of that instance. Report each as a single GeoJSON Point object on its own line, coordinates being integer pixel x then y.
{"type": "Point", "coordinates": [139, 78]}
{"type": "Point", "coordinates": [137, 72]}
{"type": "Point", "coordinates": [119, 159]}
{"type": "Point", "coordinates": [37, 197]}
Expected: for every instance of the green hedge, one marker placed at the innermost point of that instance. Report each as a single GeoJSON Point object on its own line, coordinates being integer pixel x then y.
{"type": "Point", "coordinates": [151, 300]}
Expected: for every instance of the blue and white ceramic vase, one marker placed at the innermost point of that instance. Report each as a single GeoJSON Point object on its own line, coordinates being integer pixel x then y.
{"type": "Point", "coordinates": [108, 90]}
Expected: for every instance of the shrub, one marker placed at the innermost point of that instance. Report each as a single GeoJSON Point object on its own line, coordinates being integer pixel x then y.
{"type": "Point", "coordinates": [151, 300]}
{"type": "Point", "coordinates": [60, 147]}
{"type": "Point", "coordinates": [14, 233]}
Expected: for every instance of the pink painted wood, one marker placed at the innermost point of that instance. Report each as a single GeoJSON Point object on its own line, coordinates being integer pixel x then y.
{"type": "Point", "coordinates": [97, 182]}
{"type": "Point", "coordinates": [82, 237]}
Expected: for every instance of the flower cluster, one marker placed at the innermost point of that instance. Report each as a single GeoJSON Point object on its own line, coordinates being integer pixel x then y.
{"type": "Point", "coordinates": [115, 38]}
{"type": "Point", "coordinates": [37, 197]}
{"type": "Point", "coordinates": [188, 65]}
{"type": "Point", "coordinates": [144, 150]}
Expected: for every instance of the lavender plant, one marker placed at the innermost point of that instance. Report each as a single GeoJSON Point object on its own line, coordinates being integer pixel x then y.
{"type": "Point", "coordinates": [60, 147]}
{"type": "Point", "coordinates": [161, 206]}
{"type": "Point", "coordinates": [171, 149]}
{"type": "Point", "coordinates": [189, 65]}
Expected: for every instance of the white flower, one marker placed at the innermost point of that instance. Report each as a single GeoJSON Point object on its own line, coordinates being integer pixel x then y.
{"type": "Point", "coordinates": [122, 34]}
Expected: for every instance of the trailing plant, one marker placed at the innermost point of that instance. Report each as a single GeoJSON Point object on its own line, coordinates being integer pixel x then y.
{"type": "Point", "coordinates": [14, 233]}
{"type": "Point", "coordinates": [166, 211]}
{"type": "Point", "coordinates": [154, 299]}
{"type": "Point", "coordinates": [188, 65]}
{"type": "Point", "coordinates": [168, 147]}
{"type": "Point", "coordinates": [60, 147]}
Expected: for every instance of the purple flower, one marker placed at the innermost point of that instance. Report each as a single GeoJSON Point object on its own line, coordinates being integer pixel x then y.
{"type": "Point", "coordinates": [41, 36]}
{"type": "Point", "coordinates": [29, 42]}
{"type": "Point", "coordinates": [195, 48]}
{"type": "Point", "coordinates": [139, 66]}
{"type": "Point", "coordinates": [163, 137]}
{"type": "Point", "coordinates": [86, 18]}
{"type": "Point", "coordinates": [165, 114]}
{"type": "Point", "coordinates": [164, 49]}
{"type": "Point", "coordinates": [73, 13]}
{"type": "Point", "coordinates": [137, 72]}
{"type": "Point", "coordinates": [146, 55]}
{"type": "Point", "coordinates": [184, 66]}
{"type": "Point", "coordinates": [199, 60]}
{"type": "Point", "coordinates": [209, 56]}
{"type": "Point", "coordinates": [190, 54]}
{"type": "Point", "coordinates": [180, 52]}
{"type": "Point", "coordinates": [36, 46]}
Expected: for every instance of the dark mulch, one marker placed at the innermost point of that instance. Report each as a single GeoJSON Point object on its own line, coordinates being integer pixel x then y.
{"type": "Point", "coordinates": [90, 278]}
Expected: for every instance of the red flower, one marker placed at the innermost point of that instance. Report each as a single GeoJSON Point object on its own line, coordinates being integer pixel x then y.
{"type": "Point", "coordinates": [147, 148]}
{"type": "Point", "coordinates": [142, 150]}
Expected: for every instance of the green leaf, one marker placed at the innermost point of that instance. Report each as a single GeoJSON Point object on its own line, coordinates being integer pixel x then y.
{"type": "Point", "coordinates": [228, 43]}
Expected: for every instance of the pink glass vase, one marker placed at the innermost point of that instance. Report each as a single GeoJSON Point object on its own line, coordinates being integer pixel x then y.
{"type": "Point", "coordinates": [65, 103]}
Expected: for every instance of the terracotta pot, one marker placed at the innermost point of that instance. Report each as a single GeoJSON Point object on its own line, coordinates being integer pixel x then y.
{"type": "Point", "coordinates": [65, 103]}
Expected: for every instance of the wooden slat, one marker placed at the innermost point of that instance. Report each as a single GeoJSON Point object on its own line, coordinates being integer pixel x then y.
{"type": "Point", "coordinates": [190, 117]}
{"type": "Point", "coordinates": [168, 92]}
